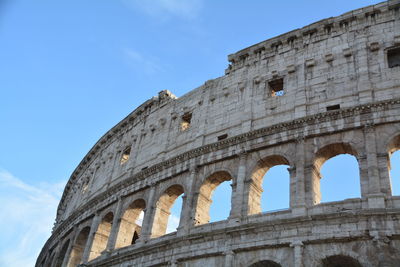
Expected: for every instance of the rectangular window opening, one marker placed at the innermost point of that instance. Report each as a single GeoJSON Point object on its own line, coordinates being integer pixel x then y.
{"type": "Point", "coordinates": [222, 137]}
{"type": "Point", "coordinates": [276, 87]}
{"type": "Point", "coordinates": [393, 57]}
{"type": "Point", "coordinates": [186, 120]}
{"type": "Point", "coordinates": [333, 107]}
{"type": "Point", "coordinates": [125, 155]}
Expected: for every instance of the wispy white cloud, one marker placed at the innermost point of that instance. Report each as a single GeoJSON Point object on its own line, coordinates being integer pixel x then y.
{"type": "Point", "coordinates": [148, 64]}
{"type": "Point", "coordinates": [27, 213]}
{"type": "Point", "coordinates": [173, 223]}
{"type": "Point", "coordinates": [162, 9]}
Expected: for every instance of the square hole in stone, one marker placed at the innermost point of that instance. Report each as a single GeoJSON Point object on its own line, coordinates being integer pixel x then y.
{"type": "Point", "coordinates": [393, 57]}
{"type": "Point", "coordinates": [125, 155]}
{"type": "Point", "coordinates": [276, 87]}
{"type": "Point", "coordinates": [186, 120]}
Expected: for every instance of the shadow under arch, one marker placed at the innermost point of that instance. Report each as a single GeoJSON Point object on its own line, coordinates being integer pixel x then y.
{"type": "Point", "coordinates": [393, 145]}
{"type": "Point", "coordinates": [340, 261]}
{"type": "Point", "coordinates": [265, 263]}
{"type": "Point", "coordinates": [255, 186]}
{"type": "Point", "coordinates": [163, 207]}
{"type": "Point", "coordinates": [332, 150]}
{"type": "Point", "coordinates": [62, 254]}
{"type": "Point", "coordinates": [205, 192]}
{"type": "Point", "coordinates": [101, 236]}
{"type": "Point", "coordinates": [79, 247]}
{"type": "Point", "coordinates": [324, 154]}
{"type": "Point", "coordinates": [130, 225]}
{"type": "Point", "coordinates": [49, 263]}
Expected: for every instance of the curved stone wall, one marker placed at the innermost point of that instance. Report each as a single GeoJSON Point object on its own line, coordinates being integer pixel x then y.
{"type": "Point", "coordinates": [299, 99]}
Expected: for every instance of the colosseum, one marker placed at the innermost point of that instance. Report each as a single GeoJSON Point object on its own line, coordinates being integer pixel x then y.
{"type": "Point", "coordinates": [298, 99]}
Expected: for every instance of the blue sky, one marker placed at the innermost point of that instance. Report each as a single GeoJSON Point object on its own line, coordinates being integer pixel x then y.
{"type": "Point", "coordinates": [70, 70]}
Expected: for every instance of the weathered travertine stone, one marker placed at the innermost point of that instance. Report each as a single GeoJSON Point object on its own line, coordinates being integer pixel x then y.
{"type": "Point", "coordinates": [298, 99]}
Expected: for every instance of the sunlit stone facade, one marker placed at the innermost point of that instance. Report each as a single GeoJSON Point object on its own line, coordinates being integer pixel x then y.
{"type": "Point", "coordinates": [299, 99]}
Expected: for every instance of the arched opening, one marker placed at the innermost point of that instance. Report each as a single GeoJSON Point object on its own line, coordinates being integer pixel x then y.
{"type": "Point", "coordinates": [276, 191]}
{"type": "Point", "coordinates": [394, 165]}
{"type": "Point", "coordinates": [221, 202]}
{"type": "Point", "coordinates": [340, 178]}
{"type": "Point", "coordinates": [131, 224]}
{"type": "Point", "coordinates": [61, 254]}
{"type": "Point", "coordinates": [79, 247]}
{"type": "Point", "coordinates": [275, 180]}
{"type": "Point", "coordinates": [163, 207]}
{"type": "Point", "coordinates": [395, 172]}
{"type": "Point", "coordinates": [101, 237]}
{"type": "Point", "coordinates": [206, 191]}
{"type": "Point", "coordinates": [265, 263]}
{"type": "Point", "coordinates": [340, 261]}
{"type": "Point", "coordinates": [343, 171]}
{"type": "Point", "coordinates": [174, 218]}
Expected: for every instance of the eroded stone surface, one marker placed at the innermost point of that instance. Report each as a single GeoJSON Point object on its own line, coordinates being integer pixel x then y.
{"type": "Point", "coordinates": [298, 99]}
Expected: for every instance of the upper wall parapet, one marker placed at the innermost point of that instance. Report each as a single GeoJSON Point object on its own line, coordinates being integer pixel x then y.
{"type": "Point", "coordinates": [299, 39]}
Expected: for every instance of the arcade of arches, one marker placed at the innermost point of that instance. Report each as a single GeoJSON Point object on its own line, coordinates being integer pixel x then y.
{"type": "Point", "coordinates": [137, 221]}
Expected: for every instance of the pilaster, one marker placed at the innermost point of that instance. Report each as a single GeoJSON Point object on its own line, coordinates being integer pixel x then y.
{"type": "Point", "coordinates": [148, 216]}
{"type": "Point", "coordinates": [115, 226]}
{"type": "Point", "coordinates": [188, 208]}
{"type": "Point", "coordinates": [298, 199]}
{"type": "Point", "coordinates": [92, 233]}
{"type": "Point", "coordinates": [70, 246]}
{"type": "Point", "coordinates": [298, 253]}
{"type": "Point", "coordinates": [229, 258]}
{"type": "Point", "coordinates": [375, 196]}
{"type": "Point", "coordinates": [238, 208]}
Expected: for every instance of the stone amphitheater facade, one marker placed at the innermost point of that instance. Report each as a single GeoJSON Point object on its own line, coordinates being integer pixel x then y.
{"type": "Point", "coordinates": [299, 99]}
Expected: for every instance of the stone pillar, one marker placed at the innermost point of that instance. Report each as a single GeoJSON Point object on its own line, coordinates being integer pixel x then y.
{"type": "Point", "coordinates": [188, 210]}
{"type": "Point", "coordinates": [313, 188]}
{"type": "Point", "coordinates": [53, 259]}
{"type": "Point", "coordinates": [148, 216]}
{"type": "Point", "coordinates": [292, 187]}
{"type": "Point", "coordinates": [56, 255]}
{"type": "Point", "coordinates": [239, 208]}
{"type": "Point", "coordinates": [384, 168]}
{"type": "Point", "coordinates": [89, 242]}
{"type": "Point", "coordinates": [70, 246]}
{"type": "Point", "coordinates": [298, 253]}
{"type": "Point", "coordinates": [372, 160]}
{"type": "Point", "coordinates": [375, 197]}
{"type": "Point", "coordinates": [229, 257]}
{"type": "Point", "coordinates": [363, 165]}
{"type": "Point", "coordinates": [299, 199]}
{"type": "Point", "coordinates": [115, 226]}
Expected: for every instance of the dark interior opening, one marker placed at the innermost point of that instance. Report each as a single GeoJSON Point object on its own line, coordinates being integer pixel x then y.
{"type": "Point", "coordinates": [222, 137]}
{"type": "Point", "coordinates": [333, 107]}
{"type": "Point", "coordinates": [186, 120]}
{"type": "Point", "coordinates": [276, 87]}
{"type": "Point", "coordinates": [125, 155]}
{"type": "Point", "coordinates": [393, 56]}
{"type": "Point", "coordinates": [135, 237]}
